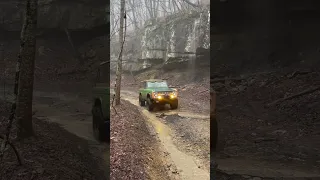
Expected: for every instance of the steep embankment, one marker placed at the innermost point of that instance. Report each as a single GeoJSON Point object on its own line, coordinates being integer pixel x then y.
{"type": "Point", "coordinates": [259, 58]}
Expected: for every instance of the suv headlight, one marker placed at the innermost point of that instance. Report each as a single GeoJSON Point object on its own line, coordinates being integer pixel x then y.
{"type": "Point", "coordinates": [154, 94]}
{"type": "Point", "coordinates": [174, 94]}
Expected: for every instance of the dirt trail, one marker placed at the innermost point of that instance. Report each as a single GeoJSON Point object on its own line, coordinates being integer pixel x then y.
{"type": "Point", "coordinates": [189, 167]}
{"type": "Point", "coordinates": [230, 165]}
{"type": "Point", "coordinates": [70, 112]}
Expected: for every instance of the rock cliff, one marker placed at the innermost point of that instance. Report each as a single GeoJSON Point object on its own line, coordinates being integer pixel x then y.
{"type": "Point", "coordinates": [166, 39]}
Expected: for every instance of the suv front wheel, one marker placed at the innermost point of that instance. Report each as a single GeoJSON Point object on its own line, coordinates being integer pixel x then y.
{"type": "Point", "coordinates": [174, 104]}
{"type": "Point", "coordinates": [150, 104]}
{"type": "Point", "coordinates": [98, 124]}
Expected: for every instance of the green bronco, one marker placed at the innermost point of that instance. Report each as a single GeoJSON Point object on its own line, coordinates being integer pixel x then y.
{"type": "Point", "coordinates": [101, 103]}
{"type": "Point", "coordinates": [155, 92]}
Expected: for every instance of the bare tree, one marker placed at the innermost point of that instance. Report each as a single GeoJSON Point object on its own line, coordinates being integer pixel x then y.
{"type": "Point", "coordinates": [64, 19]}
{"type": "Point", "coordinates": [121, 42]}
{"type": "Point", "coordinates": [133, 12]}
{"type": "Point", "coordinates": [25, 69]}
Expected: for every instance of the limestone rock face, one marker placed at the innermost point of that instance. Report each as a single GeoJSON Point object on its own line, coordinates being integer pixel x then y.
{"type": "Point", "coordinates": [177, 36]}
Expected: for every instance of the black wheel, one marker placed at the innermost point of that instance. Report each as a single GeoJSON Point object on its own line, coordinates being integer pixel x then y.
{"type": "Point", "coordinates": [141, 101]}
{"type": "Point", "coordinates": [150, 105]}
{"type": "Point", "coordinates": [214, 134]}
{"type": "Point", "coordinates": [162, 107]}
{"type": "Point", "coordinates": [98, 126]}
{"type": "Point", "coordinates": [174, 104]}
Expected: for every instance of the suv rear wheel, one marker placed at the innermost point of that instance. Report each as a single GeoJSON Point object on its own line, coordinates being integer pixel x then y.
{"type": "Point", "coordinates": [141, 101]}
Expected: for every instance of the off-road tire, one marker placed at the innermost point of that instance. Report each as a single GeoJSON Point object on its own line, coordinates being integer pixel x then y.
{"type": "Point", "coordinates": [141, 101]}
{"type": "Point", "coordinates": [174, 104]}
{"type": "Point", "coordinates": [214, 134]}
{"type": "Point", "coordinates": [150, 105]}
{"type": "Point", "coordinates": [162, 107]}
{"type": "Point", "coordinates": [98, 124]}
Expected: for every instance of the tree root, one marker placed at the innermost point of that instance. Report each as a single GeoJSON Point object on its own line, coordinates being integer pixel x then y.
{"type": "Point", "coordinates": [212, 81]}
{"type": "Point", "coordinates": [234, 174]}
{"type": "Point", "coordinates": [14, 149]}
{"type": "Point", "coordinates": [296, 73]}
{"type": "Point", "coordinates": [308, 91]}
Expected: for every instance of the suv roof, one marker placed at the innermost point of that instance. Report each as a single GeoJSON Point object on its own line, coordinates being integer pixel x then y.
{"type": "Point", "coordinates": [153, 80]}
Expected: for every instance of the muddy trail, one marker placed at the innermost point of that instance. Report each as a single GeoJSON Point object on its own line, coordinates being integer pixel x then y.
{"type": "Point", "coordinates": [73, 113]}
{"type": "Point", "coordinates": [183, 135]}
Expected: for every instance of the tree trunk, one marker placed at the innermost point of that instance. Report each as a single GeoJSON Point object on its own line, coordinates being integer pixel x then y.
{"type": "Point", "coordinates": [121, 41]}
{"type": "Point", "coordinates": [26, 63]}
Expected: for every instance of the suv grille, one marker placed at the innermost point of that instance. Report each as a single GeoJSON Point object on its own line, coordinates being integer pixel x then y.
{"type": "Point", "coordinates": [164, 93]}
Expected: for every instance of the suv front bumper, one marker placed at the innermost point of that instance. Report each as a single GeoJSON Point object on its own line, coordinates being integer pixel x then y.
{"type": "Point", "coordinates": [164, 100]}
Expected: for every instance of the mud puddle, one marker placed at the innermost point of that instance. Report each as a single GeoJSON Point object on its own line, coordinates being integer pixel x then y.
{"type": "Point", "coordinates": [76, 123]}
{"type": "Point", "coordinates": [73, 114]}
{"type": "Point", "coordinates": [189, 167]}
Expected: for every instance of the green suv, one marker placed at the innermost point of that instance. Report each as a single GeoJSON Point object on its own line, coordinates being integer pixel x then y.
{"type": "Point", "coordinates": [155, 92]}
{"type": "Point", "coordinates": [101, 103]}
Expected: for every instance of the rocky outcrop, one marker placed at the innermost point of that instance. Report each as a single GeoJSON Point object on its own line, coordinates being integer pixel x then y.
{"type": "Point", "coordinates": [177, 36]}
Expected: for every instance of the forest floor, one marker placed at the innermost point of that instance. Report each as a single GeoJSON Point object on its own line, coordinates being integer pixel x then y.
{"type": "Point", "coordinates": [268, 124]}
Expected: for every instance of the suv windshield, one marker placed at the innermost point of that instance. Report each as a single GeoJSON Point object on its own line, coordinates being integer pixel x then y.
{"type": "Point", "coordinates": [162, 84]}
